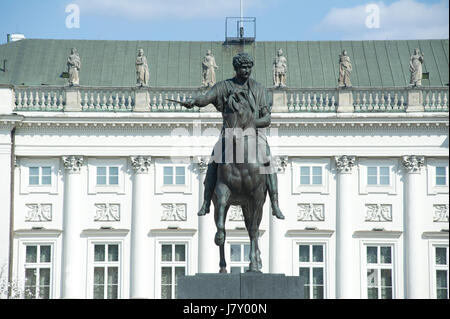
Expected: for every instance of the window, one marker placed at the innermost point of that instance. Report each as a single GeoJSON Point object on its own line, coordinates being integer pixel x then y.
{"type": "Point", "coordinates": [173, 266]}
{"type": "Point", "coordinates": [311, 266]}
{"type": "Point", "coordinates": [310, 175]}
{"type": "Point", "coordinates": [379, 270]}
{"type": "Point", "coordinates": [174, 175]}
{"type": "Point", "coordinates": [441, 271]}
{"type": "Point", "coordinates": [106, 271]}
{"type": "Point", "coordinates": [239, 258]}
{"type": "Point", "coordinates": [378, 175]}
{"type": "Point", "coordinates": [441, 175]}
{"type": "Point", "coordinates": [38, 271]}
{"type": "Point", "coordinates": [40, 175]}
{"type": "Point", "coordinates": [107, 175]}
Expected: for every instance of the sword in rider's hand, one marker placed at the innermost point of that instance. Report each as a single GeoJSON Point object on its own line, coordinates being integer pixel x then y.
{"type": "Point", "coordinates": [176, 101]}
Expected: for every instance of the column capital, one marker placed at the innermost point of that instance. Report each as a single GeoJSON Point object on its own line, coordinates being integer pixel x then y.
{"type": "Point", "coordinates": [141, 164]}
{"type": "Point", "coordinates": [73, 163]}
{"type": "Point", "coordinates": [412, 163]}
{"type": "Point", "coordinates": [345, 164]}
{"type": "Point", "coordinates": [281, 163]}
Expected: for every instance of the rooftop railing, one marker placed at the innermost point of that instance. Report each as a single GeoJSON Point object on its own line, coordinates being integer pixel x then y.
{"type": "Point", "coordinates": [151, 99]}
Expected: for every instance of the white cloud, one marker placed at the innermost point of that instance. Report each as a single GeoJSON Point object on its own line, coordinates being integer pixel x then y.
{"type": "Point", "coordinates": [403, 19]}
{"type": "Point", "coordinates": [163, 9]}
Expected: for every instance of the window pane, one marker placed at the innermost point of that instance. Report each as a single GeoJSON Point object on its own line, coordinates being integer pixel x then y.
{"type": "Point", "coordinates": [441, 256]}
{"type": "Point", "coordinates": [305, 170]}
{"type": "Point", "coordinates": [113, 180]}
{"type": "Point", "coordinates": [31, 254]}
{"type": "Point", "coordinates": [317, 170]}
{"type": "Point", "coordinates": [372, 293]}
{"type": "Point", "coordinates": [33, 180]}
{"type": "Point", "coordinates": [99, 276]}
{"type": "Point", "coordinates": [317, 276]}
{"type": "Point", "coordinates": [303, 253]}
{"type": "Point", "coordinates": [180, 253]}
{"type": "Point", "coordinates": [440, 180]}
{"type": "Point", "coordinates": [441, 278]}
{"type": "Point", "coordinates": [384, 180]}
{"type": "Point", "coordinates": [113, 291]}
{"type": "Point", "coordinates": [371, 180]}
{"type": "Point", "coordinates": [166, 252]}
{"type": "Point", "coordinates": [166, 275]}
{"type": "Point", "coordinates": [385, 255]}
{"type": "Point", "coordinates": [235, 252]}
{"type": "Point", "coordinates": [113, 175]}
{"type": "Point", "coordinates": [45, 254]}
{"type": "Point", "coordinates": [304, 180]}
{"type": "Point", "coordinates": [166, 292]}
{"type": "Point", "coordinates": [168, 180]}
{"type": "Point", "coordinates": [30, 277]}
{"type": "Point", "coordinates": [113, 275]}
{"type": "Point", "coordinates": [384, 171]}
{"type": "Point", "coordinates": [372, 278]}
{"type": "Point", "coordinates": [180, 180]}
{"type": "Point", "coordinates": [441, 294]}
{"type": "Point", "coordinates": [372, 255]}
{"type": "Point", "coordinates": [101, 171]}
{"type": "Point", "coordinates": [318, 292]}
{"type": "Point", "coordinates": [44, 292]}
{"type": "Point", "coordinates": [179, 170]}
{"type": "Point", "coordinates": [440, 171]}
{"type": "Point", "coordinates": [386, 278]}
{"type": "Point", "coordinates": [386, 293]}
{"type": "Point", "coordinates": [304, 273]}
{"type": "Point", "coordinates": [317, 180]}
{"type": "Point", "coordinates": [113, 170]}
{"type": "Point", "coordinates": [168, 171]}
{"type": "Point", "coordinates": [371, 171]}
{"type": "Point", "coordinates": [113, 252]}
{"type": "Point", "coordinates": [101, 180]}
{"type": "Point", "coordinates": [317, 253]}
{"type": "Point", "coordinates": [179, 272]}
{"type": "Point", "coordinates": [99, 252]}
{"type": "Point", "coordinates": [33, 171]}
{"type": "Point", "coordinates": [46, 180]}
{"type": "Point", "coordinates": [99, 292]}
{"type": "Point", "coordinates": [44, 277]}
{"type": "Point", "coordinates": [246, 252]}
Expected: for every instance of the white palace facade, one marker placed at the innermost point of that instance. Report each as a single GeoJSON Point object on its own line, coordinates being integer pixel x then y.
{"type": "Point", "coordinates": [101, 182]}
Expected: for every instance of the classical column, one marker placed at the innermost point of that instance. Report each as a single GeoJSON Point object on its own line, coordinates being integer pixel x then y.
{"type": "Point", "coordinates": [416, 272]}
{"type": "Point", "coordinates": [277, 255]}
{"type": "Point", "coordinates": [140, 262]}
{"type": "Point", "coordinates": [206, 227]}
{"type": "Point", "coordinates": [345, 259]}
{"type": "Point", "coordinates": [71, 251]}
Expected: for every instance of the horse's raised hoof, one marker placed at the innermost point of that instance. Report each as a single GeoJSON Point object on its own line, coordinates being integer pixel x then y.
{"type": "Point", "coordinates": [277, 212]}
{"type": "Point", "coordinates": [219, 239]}
{"type": "Point", "coordinates": [204, 210]}
{"type": "Point", "coordinates": [223, 270]}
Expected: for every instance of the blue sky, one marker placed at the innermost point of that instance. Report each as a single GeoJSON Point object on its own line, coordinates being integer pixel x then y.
{"type": "Point", "coordinates": [204, 20]}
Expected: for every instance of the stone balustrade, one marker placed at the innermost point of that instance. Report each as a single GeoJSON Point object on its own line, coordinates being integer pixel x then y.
{"type": "Point", "coordinates": [135, 99]}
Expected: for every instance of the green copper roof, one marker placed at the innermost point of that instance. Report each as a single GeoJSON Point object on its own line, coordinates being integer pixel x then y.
{"type": "Point", "coordinates": [178, 64]}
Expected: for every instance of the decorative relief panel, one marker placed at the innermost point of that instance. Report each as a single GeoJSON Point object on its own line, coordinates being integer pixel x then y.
{"type": "Point", "coordinates": [38, 213]}
{"type": "Point", "coordinates": [107, 212]}
{"type": "Point", "coordinates": [440, 213]}
{"type": "Point", "coordinates": [378, 213]}
{"type": "Point", "coordinates": [310, 212]}
{"type": "Point", "coordinates": [235, 213]}
{"type": "Point", "coordinates": [173, 212]}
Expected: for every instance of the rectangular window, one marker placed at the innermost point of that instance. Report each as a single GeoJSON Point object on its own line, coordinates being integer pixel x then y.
{"type": "Point", "coordinates": [310, 175]}
{"type": "Point", "coordinates": [379, 270]}
{"type": "Point", "coordinates": [441, 175]}
{"type": "Point", "coordinates": [441, 272]}
{"type": "Point", "coordinates": [378, 175]}
{"type": "Point", "coordinates": [106, 271]}
{"type": "Point", "coordinates": [239, 258]}
{"type": "Point", "coordinates": [39, 175]}
{"type": "Point", "coordinates": [173, 266]}
{"type": "Point", "coordinates": [174, 175]}
{"type": "Point", "coordinates": [38, 271]}
{"type": "Point", "coordinates": [311, 266]}
{"type": "Point", "coordinates": [107, 175]}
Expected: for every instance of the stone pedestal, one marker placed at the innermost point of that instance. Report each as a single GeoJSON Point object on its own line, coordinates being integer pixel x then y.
{"type": "Point", "coordinates": [415, 101]}
{"type": "Point", "coordinates": [240, 286]}
{"type": "Point", "coordinates": [73, 100]}
{"type": "Point", "coordinates": [141, 100]}
{"type": "Point", "coordinates": [345, 102]}
{"type": "Point", "coordinates": [279, 102]}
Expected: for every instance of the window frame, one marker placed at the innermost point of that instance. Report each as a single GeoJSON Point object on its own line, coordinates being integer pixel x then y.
{"type": "Point", "coordinates": [94, 163]}
{"type": "Point", "coordinates": [298, 163]}
{"type": "Point", "coordinates": [26, 163]}
{"type": "Point", "coordinates": [433, 188]}
{"type": "Point", "coordinates": [433, 244]}
{"type": "Point", "coordinates": [107, 176]}
{"type": "Point", "coordinates": [311, 264]}
{"type": "Point", "coordinates": [363, 166]}
{"type": "Point", "coordinates": [172, 264]}
{"type": "Point", "coordinates": [39, 265]}
{"type": "Point", "coordinates": [242, 264]}
{"type": "Point", "coordinates": [161, 188]}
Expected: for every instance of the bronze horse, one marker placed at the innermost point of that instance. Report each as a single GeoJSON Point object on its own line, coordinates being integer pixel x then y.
{"type": "Point", "coordinates": [240, 182]}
